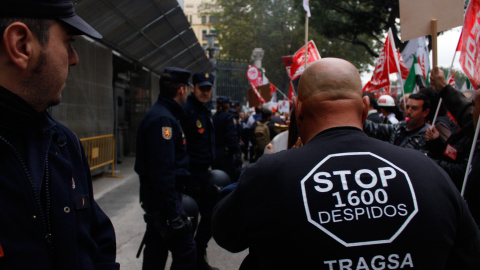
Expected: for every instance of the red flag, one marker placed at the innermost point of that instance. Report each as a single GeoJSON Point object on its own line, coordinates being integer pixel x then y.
{"type": "Point", "coordinates": [255, 78]}
{"type": "Point", "coordinates": [386, 63]}
{"type": "Point", "coordinates": [273, 88]}
{"type": "Point", "coordinates": [288, 61]}
{"type": "Point", "coordinates": [403, 69]}
{"type": "Point", "coordinates": [298, 65]}
{"type": "Point", "coordinates": [469, 57]}
{"type": "Point", "coordinates": [291, 93]}
{"type": "Point", "coordinates": [460, 41]}
{"type": "Point", "coordinates": [451, 80]}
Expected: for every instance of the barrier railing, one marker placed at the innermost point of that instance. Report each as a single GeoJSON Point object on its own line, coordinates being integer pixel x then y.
{"type": "Point", "coordinates": [100, 151]}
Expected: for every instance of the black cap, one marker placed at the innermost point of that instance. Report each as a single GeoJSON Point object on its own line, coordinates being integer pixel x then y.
{"type": "Point", "coordinates": [203, 78]}
{"type": "Point", "coordinates": [178, 75]}
{"type": "Point", "coordinates": [223, 100]}
{"type": "Point", "coordinates": [47, 9]}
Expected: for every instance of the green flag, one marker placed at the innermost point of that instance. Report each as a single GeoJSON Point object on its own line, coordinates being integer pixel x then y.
{"type": "Point", "coordinates": [411, 82]}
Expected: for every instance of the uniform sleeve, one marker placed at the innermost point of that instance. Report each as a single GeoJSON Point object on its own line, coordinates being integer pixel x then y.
{"type": "Point", "coordinates": [102, 231]}
{"type": "Point", "coordinates": [104, 235]}
{"type": "Point", "coordinates": [160, 146]}
{"type": "Point", "coordinates": [227, 222]}
{"type": "Point", "coordinates": [378, 131]}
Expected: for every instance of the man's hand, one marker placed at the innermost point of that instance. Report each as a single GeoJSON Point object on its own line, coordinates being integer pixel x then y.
{"type": "Point", "coordinates": [437, 79]}
{"type": "Point", "coordinates": [431, 133]}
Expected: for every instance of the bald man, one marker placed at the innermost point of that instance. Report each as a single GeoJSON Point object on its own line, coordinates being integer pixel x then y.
{"type": "Point", "coordinates": [344, 200]}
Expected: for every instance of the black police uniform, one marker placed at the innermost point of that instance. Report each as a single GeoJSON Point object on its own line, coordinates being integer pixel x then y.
{"type": "Point", "coordinates": [226, 142]}
{"type": "Point", "coordinates": [199, 131]}
{"type": "Point", "coordinates": [347, 201]}
{"type": "Point", "coordinates": [237, 158]}
{"type": "Point", "coordinates": [162, 165]}
{"type": "Point", "coordinates": [48, 216]}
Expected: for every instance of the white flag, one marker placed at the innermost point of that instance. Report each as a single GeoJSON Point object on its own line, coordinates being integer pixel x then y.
{"type": "Point", "coordinates": [418, 47]}
{"type": "Point", "coordinates": [306, 6]}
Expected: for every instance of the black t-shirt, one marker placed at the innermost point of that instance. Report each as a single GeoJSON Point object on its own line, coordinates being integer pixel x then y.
{"type": "Point", "coordinates": [347, 201]}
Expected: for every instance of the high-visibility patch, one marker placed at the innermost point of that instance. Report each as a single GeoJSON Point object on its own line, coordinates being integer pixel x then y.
{"type": "Point", "coordinates": [201, 130]}
{"type": "Point", "coordinates": [167, 133]}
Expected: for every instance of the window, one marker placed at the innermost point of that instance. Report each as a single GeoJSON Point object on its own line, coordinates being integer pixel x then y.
{"type": "Point", "coordinates": [213, 19]}
{"type": "Point", "coordinates": [204, 34]}
{"type": "Point", "coordinates": [204, 19]}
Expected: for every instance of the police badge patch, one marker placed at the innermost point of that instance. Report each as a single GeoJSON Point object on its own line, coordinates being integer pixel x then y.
{"type": "Point", "coordinates": [199, 124]}
{"type": "Point", "coordinates": [167, 133]}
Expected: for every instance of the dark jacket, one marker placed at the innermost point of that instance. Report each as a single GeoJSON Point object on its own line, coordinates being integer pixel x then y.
{"type": "Point", "coordinates": [226, 136]}
{"type": "Point", "coordinates": [460, 107]}
{"type": "Point", "coordinates": [162, 161]}
{"type": "Point", "coordinates": [199, 131]}
{"type": "Point", "coordinates": [452, 155]}
{"type": "Point", "coordinates": [398, 134]}
{"type": "Point", "coordinates": [49, 219]}
{"type": "Point", "coordinates": [347, 199]}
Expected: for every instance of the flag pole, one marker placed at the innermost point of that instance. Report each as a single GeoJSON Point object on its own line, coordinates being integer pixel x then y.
{"type": "Point", "coordinates": [306, 38]}
{"type": "Point", "coordinates": [474, 144]}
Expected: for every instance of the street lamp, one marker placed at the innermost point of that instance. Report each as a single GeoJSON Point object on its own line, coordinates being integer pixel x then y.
{"type": "Point", "coordinates": [211, 45]}
{"type": "Point", "coordinates": [211, 51]}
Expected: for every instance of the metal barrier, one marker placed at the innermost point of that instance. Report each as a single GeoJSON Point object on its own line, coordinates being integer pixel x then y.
{"type": "Point", "coordinates": [100, 151]}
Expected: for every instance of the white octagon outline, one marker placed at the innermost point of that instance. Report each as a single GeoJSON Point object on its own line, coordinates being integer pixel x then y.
{"type": "Point", "coordinates": [375, 242]}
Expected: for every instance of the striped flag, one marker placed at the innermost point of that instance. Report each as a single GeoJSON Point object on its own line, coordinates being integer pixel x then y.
{"type": "Point", "coordinates": [415, 72]}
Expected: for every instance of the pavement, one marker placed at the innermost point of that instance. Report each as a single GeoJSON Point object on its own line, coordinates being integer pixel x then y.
{"type": "Point", "coordinates": [118, 197]}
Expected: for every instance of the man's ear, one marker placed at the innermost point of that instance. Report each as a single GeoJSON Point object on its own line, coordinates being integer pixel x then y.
{"type": "Point", "coordinates": [425, 113]}
{"type": "Point", "coordinates": [181, 91]}
{"type": "Point", "coordinates": [18, 42]}
{"type": "Point", "coordinates": [366, 106]}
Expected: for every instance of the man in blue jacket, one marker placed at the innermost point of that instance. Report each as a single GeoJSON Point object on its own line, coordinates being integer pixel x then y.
{"type": "Point", "coordinates": [162, 164]}
{"type": "Point", "coordinates": [49, 219]}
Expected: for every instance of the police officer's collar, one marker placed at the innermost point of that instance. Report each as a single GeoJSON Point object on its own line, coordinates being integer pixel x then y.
{"type": "Point", "coordinates": [172, 106]}
{"type": "Point", "coordinates": [17, 115]}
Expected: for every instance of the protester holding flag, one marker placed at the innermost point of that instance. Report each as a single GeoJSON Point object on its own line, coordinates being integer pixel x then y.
{"type": "Point", "coordinates": [466, 113]}
{"type": "Point", "coordinates": [452, 154]}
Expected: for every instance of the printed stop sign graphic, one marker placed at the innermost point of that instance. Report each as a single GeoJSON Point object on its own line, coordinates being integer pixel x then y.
{"type": "Point", "coordinates": [359, 198]}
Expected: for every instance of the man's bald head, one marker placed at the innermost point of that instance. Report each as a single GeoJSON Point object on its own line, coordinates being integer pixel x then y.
{"type": "Point", "coordinates": [329, 95]}
{"type": "Point", "coordinates": [332, 78]}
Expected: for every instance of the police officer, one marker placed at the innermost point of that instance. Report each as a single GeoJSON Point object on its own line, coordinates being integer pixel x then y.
{"type": "Point", "coordinates": [199, 131]}
{"type": "Point", "coordinates": [237, 158]}
{"type": "Point", "coordinates": [162, 165]}
{"type": "Point", "coordinates": [226, 143]}
{"type": "Point", "coordinates": [345, 200]}
{"type": "Point", "coordinates": [48, 216]}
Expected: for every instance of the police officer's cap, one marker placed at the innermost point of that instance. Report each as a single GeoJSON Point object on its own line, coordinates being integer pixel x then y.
{"type": "Point", "coordinates": [47, 9]}
{"type": "Point", "coordinates": [203, 78]}
{"type": "Point", "coordinates": [223, 100]}
{"type": "Point", "coordinates": [177, 75]}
